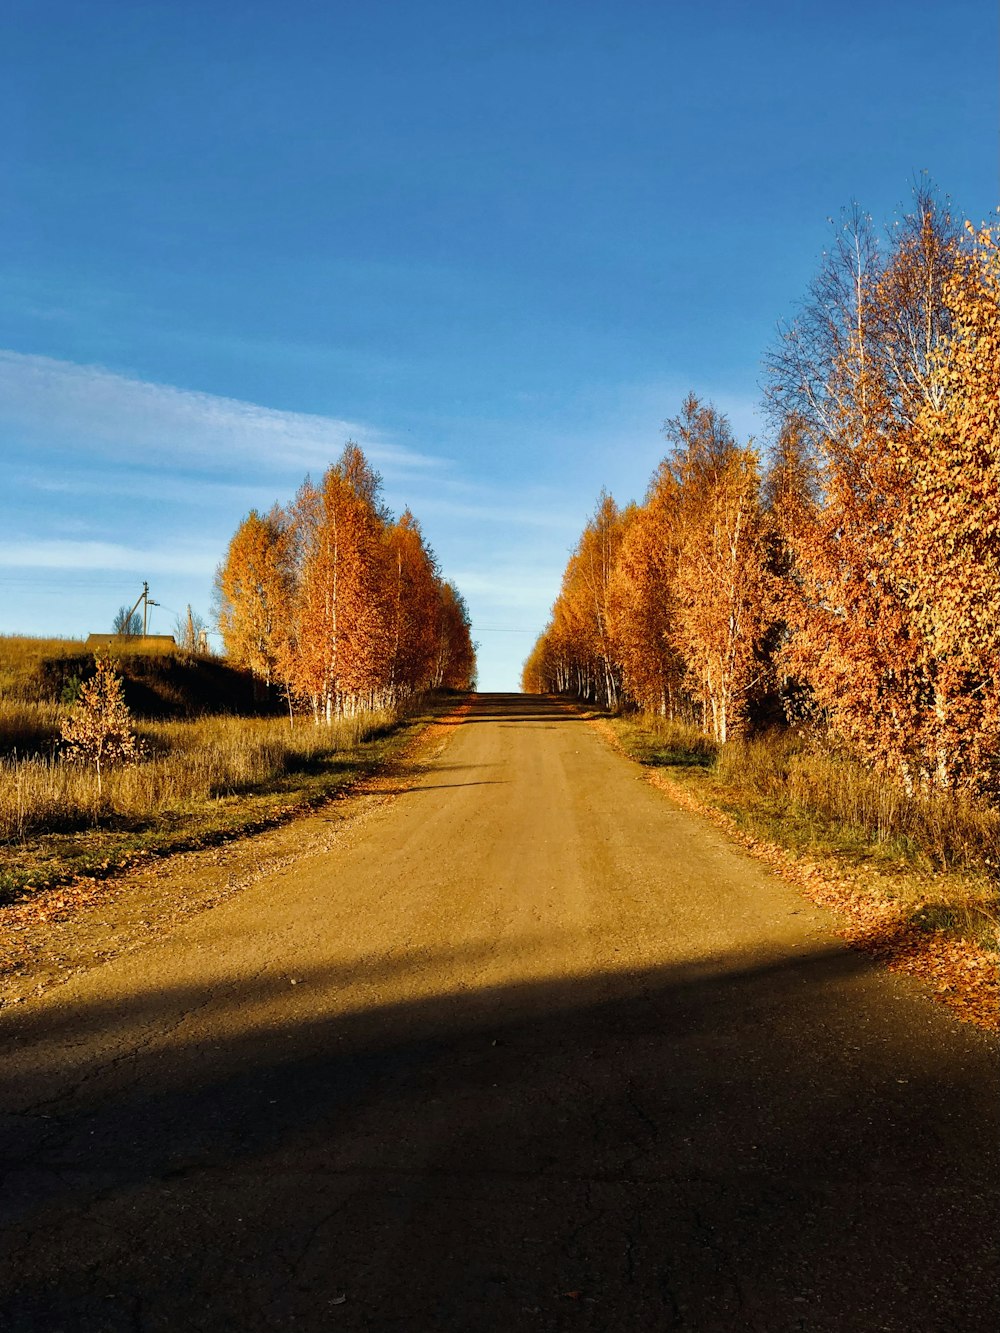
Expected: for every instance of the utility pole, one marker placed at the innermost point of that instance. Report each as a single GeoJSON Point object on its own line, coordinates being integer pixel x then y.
{"type": "Point", "coordinates": [147, 602]}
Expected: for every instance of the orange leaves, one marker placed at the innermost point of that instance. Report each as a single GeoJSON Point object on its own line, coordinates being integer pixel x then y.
{"type": "Point", "coordinates": [642, 605]}
{"type": "Point", "coordinates": [454, 665]}
{"type": "Point", "coordinates": [893, 595]}
{"type": "Point", "coordinates": [414, 606]}
{"type": "Point", "coordinates": [576, 654]}
{"type": "Point", "coordinates": [721, 583]}
{"type": "Point", "coordinates": [954, 514]}
{"type": "Point", "coordinates": [253, 587]}
{"type": "Point", "coordinates": [342, 639]}
{"type": "Point", "coordinates": [868, 575]}
{"type": "Point", "coordinates": [341, 605]}
{"type": "Point", "coordinates": [99, 730]}
{"type": "Point", "coordinates": [668, 600]}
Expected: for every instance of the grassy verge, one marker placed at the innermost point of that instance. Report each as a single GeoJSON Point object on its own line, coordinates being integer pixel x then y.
{"type": "Point", "coordinates": [202, 782]}
{"type": "Point", "coordinates": [935, 859]}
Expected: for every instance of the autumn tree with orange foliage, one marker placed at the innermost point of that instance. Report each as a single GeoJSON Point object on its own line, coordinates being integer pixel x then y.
{"type": "Point", "coordinates": [414, 607]}
{"type": "Point", "coordinates": [665, 605]}
{"type": "Point", "coordinates": [871, 405]}
{"type": "Point", "coordinates": [950, 552]}
{"type": "Point", "coordinates": [642, 601]}
{"type": "Point", "coordinates": [863, 576]}
{"type": "Point", "coordinates": [454, 661]}
{"type": "Point", "coordinates": [722, 587]}
{"type": "Point", "coordinates": [341, 659]}
{"type": "Point", "coordinates": [254, 592]}
{"type": "Point", "coordinates": [587, 664]}
{"type": "Point", "coordinates": [341, 605]}
{"type": "Point", "coordinates": [551, 666]}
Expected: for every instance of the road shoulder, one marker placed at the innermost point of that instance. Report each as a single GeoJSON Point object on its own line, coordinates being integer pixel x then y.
{"type": "Point", "coordinates": [60, 932]}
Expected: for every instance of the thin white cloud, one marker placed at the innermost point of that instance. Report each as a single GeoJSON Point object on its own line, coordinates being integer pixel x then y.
{"type": "Point", "coordinates": [102, 412]}
{"type": "Point", "coordinates": [97, 555]}
{"type": "Point", "coordinates": [208, 492]}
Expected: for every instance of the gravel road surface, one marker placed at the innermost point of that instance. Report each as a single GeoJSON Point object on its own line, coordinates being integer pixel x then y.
{"type": "Point", "coordinates": [530, 1048]}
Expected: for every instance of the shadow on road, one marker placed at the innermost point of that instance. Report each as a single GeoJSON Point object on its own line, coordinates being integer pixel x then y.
{"type": "Point", "coordinates": [695, 1147]}
{"type": "Point", "coordinates": [518, 709]}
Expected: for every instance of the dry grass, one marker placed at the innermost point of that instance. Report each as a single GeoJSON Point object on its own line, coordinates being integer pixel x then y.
{"type": "Point", "coordinates": [22, 657]}
{"type": "Point", "coordinates": [656, 740]}
{"type": "Point", "coordinates": [186, 765]}
{"type": "Point", "coordinates": [198, 781]}
{"type": "Point", "coordinates": [932, 830]}
{"type": "Point", "coordinates": [201, 779]}
{"type": "Point", "coordinates": [29, 728]}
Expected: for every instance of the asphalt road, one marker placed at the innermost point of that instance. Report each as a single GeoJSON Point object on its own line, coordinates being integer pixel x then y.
{"type": "Point", "coordinates": [530, 1049]}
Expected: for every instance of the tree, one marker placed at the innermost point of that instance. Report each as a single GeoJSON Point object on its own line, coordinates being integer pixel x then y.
{"type": "Point", "coordinates": [126, 624]}
{"type": "Point", "coordinates": [455, 657]}
{"type": "Point", "coordinates": [831, 335]}
{"type": "Point", "coordinates": [254, 592]}
{"type": "Point", "coordinates": [948, 556]}
{"type": "Point", "coordinates": [852, 378]}
{"type": "Point", "coordinates": [342, 653]}
{"type": "Point", "coordinates": [642, 605]}
{"type": "Point", "coordinates": [859, 356]}
{"type": "Point", "coordinates": [551, 666]}
{"type": "Point", "coordinates": [190, 631]}
{"type": "Point", "coordinates": [667, 605]}
{"type": "Point", "coordinates": [340, 604]}
{"type": "Point", "coordinates": [414, 608]}
{"type": "Point", "coordinates": [99, 729]}
{"type": "Point", "coordinates": [723, 587]}
{"type": "Point", "coordinates": [580, 616]}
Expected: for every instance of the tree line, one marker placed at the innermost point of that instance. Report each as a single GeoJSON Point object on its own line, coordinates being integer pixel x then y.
{"type": "Point", "coordinates": [853, 579]}
{"type": "Point", "coordinates": [337, 603]}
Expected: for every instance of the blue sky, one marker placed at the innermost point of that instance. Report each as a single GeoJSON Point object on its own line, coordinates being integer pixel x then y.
{"type": "Point", "coordinates": [494, 243]}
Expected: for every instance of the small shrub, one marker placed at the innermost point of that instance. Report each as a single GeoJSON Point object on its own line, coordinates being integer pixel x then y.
{"type": "Point", "coordinates": [99, 730]}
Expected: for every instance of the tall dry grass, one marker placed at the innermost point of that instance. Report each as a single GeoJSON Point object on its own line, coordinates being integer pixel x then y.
{"type": "Point", "coordinates": [933, 829]}
{"type": "Point", "coordinates": [831, 797]}
{"type": "Point", "coordinates": [660, 740]}
{"type": "Point", "coordinates": [21, 658]}
{"type": "Point", "coordinates": [186, 765]}
{"type": "Point", "coordinates": [28, 727]}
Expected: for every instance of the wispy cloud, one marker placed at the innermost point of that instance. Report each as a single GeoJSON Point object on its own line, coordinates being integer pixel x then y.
{"type": "Point", "coordinates": [207, 492]}
{"type": "Point", "coordinates": [98, 555]}
{"type": "Point", "coordinates": [42, 399]}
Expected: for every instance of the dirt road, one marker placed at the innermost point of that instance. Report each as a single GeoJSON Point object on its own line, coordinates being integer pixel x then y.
{"type": "Point", "coordinates": [530, 1049]}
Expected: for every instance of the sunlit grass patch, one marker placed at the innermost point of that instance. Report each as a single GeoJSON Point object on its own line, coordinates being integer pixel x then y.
{"type": "Point", "coordinates": [199, 781]}
{"type": "Point", "coordinates": [666, 743]}
{"type": "Point", "coordinates": [21, 658]}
